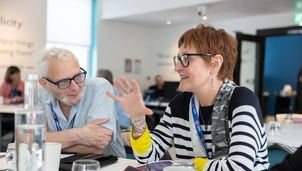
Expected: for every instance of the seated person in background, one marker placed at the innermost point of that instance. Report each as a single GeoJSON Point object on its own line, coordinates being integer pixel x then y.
{"type": "Point", "coordinates": [123, 117]}
{"type": "Point", "coordinates": [291, 162]}
{"type": "Point", "coordinates": [12, 89]}
{"type": "Point", "coordinates": [158, 88]}
{"type": "Point", "coordinates": [79, 114]}
{"type": "Point", "coordinates": [212, 121]}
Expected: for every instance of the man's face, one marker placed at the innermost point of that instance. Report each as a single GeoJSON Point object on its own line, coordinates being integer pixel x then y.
{"type": "Point", "coordinates": [59, 70]}
{"type": "Point", "coordinates": [159, 81]}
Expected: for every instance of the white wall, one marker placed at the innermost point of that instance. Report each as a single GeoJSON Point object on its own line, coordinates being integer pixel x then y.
{"type": "Point", "coordinates": [118, 8]}
{"type": "Point", "coordinates": [156, 47]}
{"type": "Point", "coordinates": [119, 41]}
{"type": "Point", "coordinates": [20, 42]}
{"type": "Point", "coordinates": [164, 40]}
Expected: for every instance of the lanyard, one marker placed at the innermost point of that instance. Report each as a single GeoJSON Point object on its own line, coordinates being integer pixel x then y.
{"type": "Point", "coordinates": [198, 127]}
{"type": "Point", "coordinates": [55, 118]}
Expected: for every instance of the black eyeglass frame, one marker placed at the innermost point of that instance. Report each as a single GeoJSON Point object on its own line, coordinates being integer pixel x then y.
{"type": "Point", "coordinates": [180, 58]}
{"type": "Point", "coordinates": [70, 79]}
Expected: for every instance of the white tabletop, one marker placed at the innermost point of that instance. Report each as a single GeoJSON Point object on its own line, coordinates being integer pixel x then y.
{"type": "Point", "coordinates": [157, 104]}
{"type": "Point", "coordinates": [120, 165]}
{"type": "Point", "coordinates": [10, 108]}
{"type": "Point", "coordinates": [289, 134]}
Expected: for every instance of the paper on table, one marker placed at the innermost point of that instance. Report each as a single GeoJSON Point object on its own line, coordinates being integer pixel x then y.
{"type": "Point", "coordinates": [66, 155]}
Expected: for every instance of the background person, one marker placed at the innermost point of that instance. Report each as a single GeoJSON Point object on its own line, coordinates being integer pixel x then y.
{"type": "Point", "coordinates": [12, 89]}
{"type": "Point", "coordinates": [212, 121]}
{"type": "Point", "coordinates": [79, 114]}
{"type": "Point", "coordinates": [123, 117]}
{"type": "Point", "coordinates": [158, 88]}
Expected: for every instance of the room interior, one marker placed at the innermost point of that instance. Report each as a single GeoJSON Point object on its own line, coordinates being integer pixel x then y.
{"type": "Point", "coordinates": [108, 32]}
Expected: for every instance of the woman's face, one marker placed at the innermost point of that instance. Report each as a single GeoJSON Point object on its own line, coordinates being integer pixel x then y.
{"type": "Point", "coordinates": [197, 75]}
{"type": "Point", "coordinates": [16, 77]}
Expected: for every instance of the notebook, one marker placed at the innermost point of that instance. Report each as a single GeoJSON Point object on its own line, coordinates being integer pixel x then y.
{"type": "Point", "coordinates": [103, 159]}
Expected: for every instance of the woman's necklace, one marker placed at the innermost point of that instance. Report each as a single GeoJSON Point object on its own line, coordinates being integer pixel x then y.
{"type": "Point", "coordinates": [210, 118]}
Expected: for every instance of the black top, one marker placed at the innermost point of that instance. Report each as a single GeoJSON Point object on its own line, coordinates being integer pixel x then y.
{"type": "Point", "coordinates": [157, 92]}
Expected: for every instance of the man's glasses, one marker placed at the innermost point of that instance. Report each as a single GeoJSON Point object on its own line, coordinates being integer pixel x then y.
{"type": "Point", "coordinates": [185, 58]}
{"type": "Point", "coordinates": [65, 83]}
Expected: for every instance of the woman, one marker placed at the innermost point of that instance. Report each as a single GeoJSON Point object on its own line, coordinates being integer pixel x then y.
{"type": "Point", "coordinates": [212, 121]}
{"type": "Point", "coordinates": [12, 89]}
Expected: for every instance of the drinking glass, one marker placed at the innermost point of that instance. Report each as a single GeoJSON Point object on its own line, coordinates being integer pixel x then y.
{"type": "Point", "coordinates": [274, 128]}
{"type": "Point", "coordinates": [30, 139]}
{"type": "Point", "coordinates": [85, 165]}
{"type": "Point", "coordinates": [9, 157]}
{"type": "Point", "coordinates": [189, 164]}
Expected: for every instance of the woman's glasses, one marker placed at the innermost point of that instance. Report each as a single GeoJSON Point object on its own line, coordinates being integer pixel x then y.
{"type": "Point", "coordinates": [185, 58]}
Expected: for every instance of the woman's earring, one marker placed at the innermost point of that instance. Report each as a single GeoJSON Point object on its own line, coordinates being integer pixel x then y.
{"type": "Point", "coordinates": [212, 80]}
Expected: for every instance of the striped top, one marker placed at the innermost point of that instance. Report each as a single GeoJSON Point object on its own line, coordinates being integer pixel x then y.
{"type": "Point", "coordinates": [248, 146]}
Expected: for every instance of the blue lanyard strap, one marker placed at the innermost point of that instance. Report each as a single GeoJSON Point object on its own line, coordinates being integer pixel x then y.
{"type": "Point", "coordinates": [55, 117]}
{"type": "Point", "coordinates": [198, 126]}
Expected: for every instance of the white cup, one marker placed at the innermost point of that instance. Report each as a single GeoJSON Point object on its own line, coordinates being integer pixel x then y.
{"type": "Point", "coordinates": [178, 168]}
{"type": "Point", "coordinates": [52, 156]}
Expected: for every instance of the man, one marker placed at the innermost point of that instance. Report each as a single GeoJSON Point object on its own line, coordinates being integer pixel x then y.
{"type": "Point", "coordinates": [79, 114]}
{"type": "Point", "coordinates": [158, 87]}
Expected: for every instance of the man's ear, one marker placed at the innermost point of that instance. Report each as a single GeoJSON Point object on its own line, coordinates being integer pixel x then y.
{"type": "Point", "coordinates": [216, 61]}
{"type": "Point", "coordinates": [44, 83]}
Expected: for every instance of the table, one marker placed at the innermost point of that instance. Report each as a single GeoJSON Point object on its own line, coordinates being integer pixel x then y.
{"type": "Point", "coordinates": [157, 107]}
{"type": "Point", "coordinates": [10, 108]}
{"type": "Point", "coordinates": [7, 109]}
{"type": "Point", "coordinates": [289, 134]}
{"type": "Point", "coordinates": [120, 165]}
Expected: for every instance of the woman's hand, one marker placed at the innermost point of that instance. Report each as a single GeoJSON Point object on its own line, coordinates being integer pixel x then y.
{"type": "Point", "coordinates": [131, 99]}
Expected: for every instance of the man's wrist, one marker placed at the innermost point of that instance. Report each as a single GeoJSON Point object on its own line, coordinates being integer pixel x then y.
{"type": "Point", "coordinates": [78, 134]}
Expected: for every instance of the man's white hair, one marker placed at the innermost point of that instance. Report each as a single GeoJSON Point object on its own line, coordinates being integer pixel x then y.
{"type": "Point", "coordinates": [54, 52]}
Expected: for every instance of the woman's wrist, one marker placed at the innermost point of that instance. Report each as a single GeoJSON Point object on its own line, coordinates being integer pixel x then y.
{"type": "Point", "coordinates": [138, 126]}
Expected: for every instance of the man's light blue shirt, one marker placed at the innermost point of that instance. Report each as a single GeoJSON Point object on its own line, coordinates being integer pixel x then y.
{"type": "Point", "coordinates": [95, 104]}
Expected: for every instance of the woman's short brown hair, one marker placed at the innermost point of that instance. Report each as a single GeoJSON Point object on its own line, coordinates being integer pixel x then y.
{"type": "Point", "coordinates": [10, 71]}
{"type": "Point", "coordinates": [207, 39]}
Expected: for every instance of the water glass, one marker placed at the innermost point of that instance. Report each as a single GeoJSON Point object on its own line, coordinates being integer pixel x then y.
{"type": "Point", "coordinates": [9, 157]}
{"type": "Point", "coordinates": [30, 139]}
{"type": "Point", "coordinates": [274, 126]}
{"type": "Point", "coordinates": [189, 164]}
{"type": "Point", "coordinates": [85, 165]}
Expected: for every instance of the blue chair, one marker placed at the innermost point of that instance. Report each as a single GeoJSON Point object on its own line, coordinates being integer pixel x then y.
{"type": "Point", "coordinates": [276, 155]}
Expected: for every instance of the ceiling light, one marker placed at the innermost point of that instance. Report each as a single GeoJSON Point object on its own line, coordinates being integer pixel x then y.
{"type": "Point", "coordinates": [201, 11]}
{"type": "Point", "coordinates": [168, 22]}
